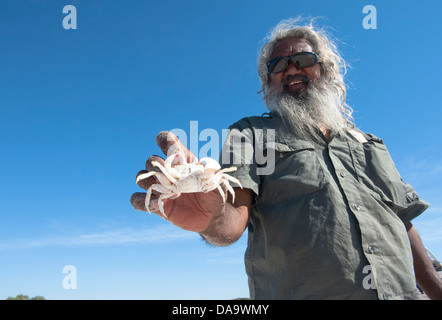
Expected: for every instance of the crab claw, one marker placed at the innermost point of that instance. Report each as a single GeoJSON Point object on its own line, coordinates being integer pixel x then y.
{"type": "Point", "coordinates": [210, 164]}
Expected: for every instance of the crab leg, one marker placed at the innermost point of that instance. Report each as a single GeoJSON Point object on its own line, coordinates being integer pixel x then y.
{"type": "Point", "coordinates": [162, 187]}
{"type": "Point", "coordinates": [226, 176]}
{"type": "Point", "coordinates": [164, 171]}
{"type": "Point", "coordinates": [147, 200]}
{"type": "Point", "coordinates": [157, 187]}
{"type": "Point", "coordinates": [161, 204]}
{"type": "Point", "coordinates": [228, 169]}
{"type": "Point", "coordinates": [230, 189]}
{"type": "Point", "coordinates": [169, 168]}
{"type": "Point", "coordinates": [210, 163]}
{"type": "Point", "coordinates": [222, 193]}
{"type": "Point", "coordinates": [145, 176]}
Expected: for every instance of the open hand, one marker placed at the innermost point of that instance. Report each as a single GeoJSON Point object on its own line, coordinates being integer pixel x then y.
{"type": "Point", "coordinates": [190, 211]}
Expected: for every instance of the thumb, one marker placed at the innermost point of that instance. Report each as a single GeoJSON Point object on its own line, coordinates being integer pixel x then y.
{"type": "Point", "coordinates": [170, 144]}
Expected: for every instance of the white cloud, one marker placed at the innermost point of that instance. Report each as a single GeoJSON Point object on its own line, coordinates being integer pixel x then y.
{"type": "Point", "coordinates": [158, 234]}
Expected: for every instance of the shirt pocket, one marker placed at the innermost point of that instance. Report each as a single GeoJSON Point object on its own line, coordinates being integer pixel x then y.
{"type": "Point", "coordinates": [297, 171]}
{"type": "Point", "coordinates": [377, 171]}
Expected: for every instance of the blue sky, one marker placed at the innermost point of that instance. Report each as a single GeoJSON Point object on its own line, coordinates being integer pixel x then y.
{"type": "Point", "coordinates": [80, 109]}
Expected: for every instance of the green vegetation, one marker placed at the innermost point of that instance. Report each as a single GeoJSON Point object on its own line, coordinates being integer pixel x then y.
{"type": "Point", "coordinates": [24, 297]}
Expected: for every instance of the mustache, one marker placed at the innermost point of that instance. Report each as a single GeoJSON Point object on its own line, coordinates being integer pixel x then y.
{"type": "Point", "coordinates": [295, 77]}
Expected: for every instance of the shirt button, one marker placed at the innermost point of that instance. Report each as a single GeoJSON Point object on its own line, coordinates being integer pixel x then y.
{"type": "Point", "coordinates": [370, 249]}
{"type": "Point", "coordinates": [357, 207]}
{"type": "Point", "coordinates": [385, 296]}
{"type": "Point", "coordinates": [343, 174]}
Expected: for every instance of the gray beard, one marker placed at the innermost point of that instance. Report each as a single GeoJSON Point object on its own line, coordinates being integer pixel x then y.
{"type": "Point", "coordinates": [304, 112]}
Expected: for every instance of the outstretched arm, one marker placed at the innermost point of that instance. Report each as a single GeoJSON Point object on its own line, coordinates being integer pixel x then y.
{"type": "Point", "coordinates": [220, 223]}
{"type": "Point", "coordinates": [426, 276]}
{"type": "Point", "coordinates": [228, 225]}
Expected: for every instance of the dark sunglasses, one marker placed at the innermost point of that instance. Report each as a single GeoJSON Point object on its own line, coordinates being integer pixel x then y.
{"type": "Point", "coordinates": [299, 60]}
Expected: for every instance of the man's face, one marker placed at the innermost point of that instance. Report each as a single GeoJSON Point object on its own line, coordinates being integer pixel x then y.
{"type": "Point", "coordinates": [293, 80]}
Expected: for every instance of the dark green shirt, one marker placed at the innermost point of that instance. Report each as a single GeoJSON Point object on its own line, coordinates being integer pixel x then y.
{"type": "Point", "coordinates": [328, 217]}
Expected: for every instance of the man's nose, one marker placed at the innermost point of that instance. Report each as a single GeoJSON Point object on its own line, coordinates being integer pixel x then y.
{"type": "Point", "coordinates": [292, 69]}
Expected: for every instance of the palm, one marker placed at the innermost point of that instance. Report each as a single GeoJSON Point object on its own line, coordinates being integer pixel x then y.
{"type": "Point", "coordinates": [192, 211]}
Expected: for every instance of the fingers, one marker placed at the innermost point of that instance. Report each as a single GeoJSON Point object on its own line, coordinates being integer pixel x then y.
{"type": "Point", "coordinates": [170, 144]}
{"type": "Point", "coordinates": [137, 200]}
{"type": "Point", "coordinates": [150, 167]}
{"type": "Point", "coordinates": [144, 183]}
{"type": "Point", "coordinates": [144, 178]}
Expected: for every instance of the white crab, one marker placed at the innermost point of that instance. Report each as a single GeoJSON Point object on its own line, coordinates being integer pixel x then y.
{"type": "Point", "coordinates": [188, 178]}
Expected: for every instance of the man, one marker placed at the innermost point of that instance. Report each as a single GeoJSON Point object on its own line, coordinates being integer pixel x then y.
{"type": "Point", "coordinates": [331, 220]}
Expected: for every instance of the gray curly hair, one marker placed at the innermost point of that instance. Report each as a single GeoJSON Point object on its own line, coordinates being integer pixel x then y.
{"type": "Point", "coordinates": [333, 66]}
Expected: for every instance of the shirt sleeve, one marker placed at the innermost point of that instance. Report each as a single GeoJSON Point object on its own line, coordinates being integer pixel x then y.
{"type": "Point", "coordinates": [413, 205]}
{"type": "Point", "coordinates": [400, 196]}
{"type": "Point", "coordinates": [238, 151]}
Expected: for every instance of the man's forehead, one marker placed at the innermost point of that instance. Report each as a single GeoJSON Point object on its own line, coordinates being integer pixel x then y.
{"type": "Point", "coordinates": [290, 46]}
